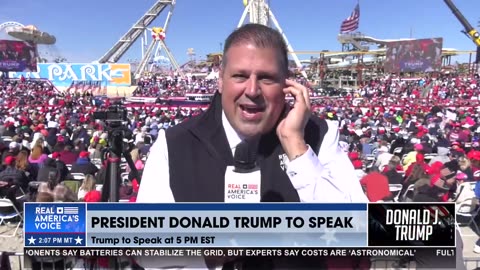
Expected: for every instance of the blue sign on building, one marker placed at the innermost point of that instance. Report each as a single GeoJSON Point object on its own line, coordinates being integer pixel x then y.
{"type": "Point", "coordinates": [63, 75]}
{"type": "Point", "coordinates": [55, 224]}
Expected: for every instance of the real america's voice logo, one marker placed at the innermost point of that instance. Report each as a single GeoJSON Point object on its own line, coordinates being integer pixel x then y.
{"type": "Point", "coordinates": [51, 217]}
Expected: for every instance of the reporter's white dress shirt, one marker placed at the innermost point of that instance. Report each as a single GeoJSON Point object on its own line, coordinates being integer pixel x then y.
{"type": "Point", "coordinates": [326, 178]}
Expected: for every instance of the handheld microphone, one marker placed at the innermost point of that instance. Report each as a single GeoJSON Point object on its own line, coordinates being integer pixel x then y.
{"type": "Point", "coordinates": [245, 158]}
{"type": "Point", "coordinates": [242, 180]}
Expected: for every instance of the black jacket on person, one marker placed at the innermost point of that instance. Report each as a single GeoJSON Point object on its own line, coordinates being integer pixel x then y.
{"type": "Point", "coordinates": [63, 170]}
{"type": "Point", "coordinates": [399, 142]}
{"type": "Point", "coordinates": [18, 177]}
{"type": "Point", "coordinates": [209, 154]}
{"type": "Point", "coordinates": [49, 165]}
{"type": "Point", "coordinates": [394, 177]}
{"type": "Point", "coordinates": [199, 153]}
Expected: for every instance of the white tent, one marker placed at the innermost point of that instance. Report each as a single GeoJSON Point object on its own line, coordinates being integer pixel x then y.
{"type": "Point", "coordinates": [212, 75]}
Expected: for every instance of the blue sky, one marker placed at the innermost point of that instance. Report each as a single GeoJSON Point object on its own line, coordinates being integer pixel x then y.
{"type": "Point", "coordinates": [86, 29]}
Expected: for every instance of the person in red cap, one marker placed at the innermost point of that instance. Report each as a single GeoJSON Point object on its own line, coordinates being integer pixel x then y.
{"type": "Point", "coordinates": [456, 146]}
{"type": "Point", "coordinates": [420, 162]}
{"type": "Point", "coordinates": [10, 180]}
{"type": "Point", "coordinates": [11, 175]}
{"type": "Point", "coordinates": [357, 164]}
{"type": "Point", "coordinates": [376, 187]}
{"type": "Point", "coordinates": [83, 165]}
{"type": "Point", "coordinates": [446, 180]}
{"type": "Point", "coordinates": [61, 166]}
{"type": "Point", "coordinates": [67, 156]}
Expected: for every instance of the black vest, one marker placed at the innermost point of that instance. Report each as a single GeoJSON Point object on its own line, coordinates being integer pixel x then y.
{"type": "Point", "coordinates": [199, 154]}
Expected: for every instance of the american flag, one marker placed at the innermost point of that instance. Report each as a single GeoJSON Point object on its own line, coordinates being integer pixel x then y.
{"type": "Point", "coordinates": [351, 23]}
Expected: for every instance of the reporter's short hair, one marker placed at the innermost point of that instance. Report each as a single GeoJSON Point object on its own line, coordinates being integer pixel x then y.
{"type": "Point", "coordinates": [261, 36]}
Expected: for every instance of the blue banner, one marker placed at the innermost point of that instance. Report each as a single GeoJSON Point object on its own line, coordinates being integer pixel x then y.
{"type": "Point", "coordinates": [201, 225]}
{"type": "Point", "coordinates": [55, 224]}
{"type": "Point", "coordinates": [64, 75]}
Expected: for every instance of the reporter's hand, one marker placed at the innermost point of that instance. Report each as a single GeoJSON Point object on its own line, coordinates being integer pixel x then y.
{"type": "Point", "coordinates": [291, 129]}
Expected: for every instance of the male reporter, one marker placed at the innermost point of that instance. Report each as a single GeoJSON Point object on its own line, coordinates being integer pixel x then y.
{"type": "Point", "coordinates": [298, 154]}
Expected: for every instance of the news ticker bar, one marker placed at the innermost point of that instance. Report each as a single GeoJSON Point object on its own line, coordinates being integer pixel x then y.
{"type": "Point", "coordinates": [233, 252]}
{"type": "Point", "coordinates": [435, 258]}
{"type": "Point", "coordinates": [206, 225]}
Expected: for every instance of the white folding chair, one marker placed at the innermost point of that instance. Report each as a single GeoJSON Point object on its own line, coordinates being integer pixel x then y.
{"type": "Point", "coordinates": [429, 157]}
{"type": "Point", "coordinates": [124, 176]}
{"type": "Point", "coordinates": [465, 186]}
{"type": "Point", "coordinates": [471, 185]}
{"type": "Point", "coordinates": [21, 194]}
{"type": "Point", "coordinates": [96, 161]}
{"type": "Point", "coordinates": [397, 150]}
{"type": "Point", "coordinates": [78, 176]}
{"type": "Point", "coordinates": [123, 166]}
{"type": "Point", "coordinates": [395, 189]}
{"type": "Point", "coordinates": [408, 193]}
{"type": "Point", "coordinates": [8, 211]}
{"type": "Point", "coordinates": [469, 209]}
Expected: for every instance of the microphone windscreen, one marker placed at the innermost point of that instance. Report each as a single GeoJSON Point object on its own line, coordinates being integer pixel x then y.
{"type": "Point", "coordinates": [245, 156]}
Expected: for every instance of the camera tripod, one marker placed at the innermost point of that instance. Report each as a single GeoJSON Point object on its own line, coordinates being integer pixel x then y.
{"type": "Point", "coordinates": [113, 154]}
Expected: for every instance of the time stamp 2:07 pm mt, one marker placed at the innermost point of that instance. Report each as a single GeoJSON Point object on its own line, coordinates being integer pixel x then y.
{"type": "Point", "coordinates": [54, 240]}
{"type": "Point", "coordinates": [138, 241]}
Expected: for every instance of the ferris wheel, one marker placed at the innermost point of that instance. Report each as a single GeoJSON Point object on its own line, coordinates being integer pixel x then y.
{"type": "Point", "coordinates": [28, 33]}
{"type": "Point", "coordinates": [10, 24]}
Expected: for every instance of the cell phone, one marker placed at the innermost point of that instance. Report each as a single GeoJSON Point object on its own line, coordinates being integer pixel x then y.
{"type": "Point", "coordinates": [286, 110]}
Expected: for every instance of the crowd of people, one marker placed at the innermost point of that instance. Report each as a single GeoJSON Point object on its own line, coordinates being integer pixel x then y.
{"type": "Point", "coordinates": [423, 135]}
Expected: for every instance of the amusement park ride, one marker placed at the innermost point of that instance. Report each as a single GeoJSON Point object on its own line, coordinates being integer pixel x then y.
{"type": "Point", "coordinates": [354, 45]}
{"type": "Point", "coordinates": [141, 27]}
{"type": "Point", "coordinates": [260, 12]}
{"type": "Point", "coordinates": [27, 33]}
{"type": "Point", "coordinates": [471, 32]}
